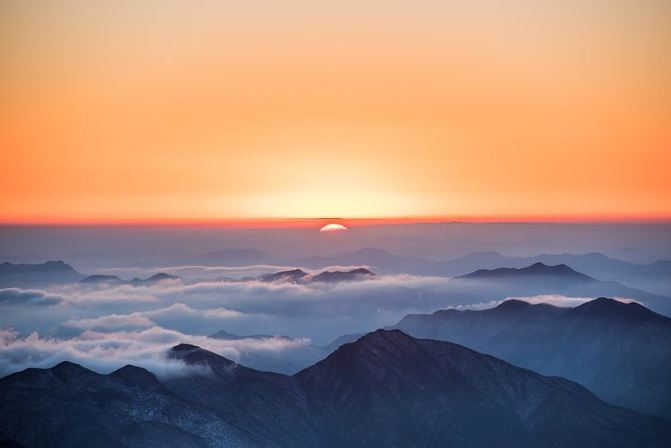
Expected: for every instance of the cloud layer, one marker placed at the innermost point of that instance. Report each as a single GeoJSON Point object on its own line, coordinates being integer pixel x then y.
{"type": "Point", "coordinates": [107, 326]}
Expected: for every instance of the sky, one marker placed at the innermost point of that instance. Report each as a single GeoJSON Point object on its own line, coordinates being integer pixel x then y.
{"type": "Point", "coordinates": [153, 110]}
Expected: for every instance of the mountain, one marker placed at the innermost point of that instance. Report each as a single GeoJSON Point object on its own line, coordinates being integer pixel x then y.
{"type": "Point", "coordinates": [161, 276]}
{"type": "Point", "coordinates": [535, 271]}
{"type": "Point", "coordinates": [70, 406]}
{"type": "Point", "coordinates": [223, 334]}
{"type": "Point", "coordinates": [385, 389]}
{"type": "Point", "coordinates": [620, 351]}
{"type": "Point", "coordinates": [539, 279]}
{"type": "Point", "coordinates": [102, 279]}
{"type": "Point", "coordinates": [343, 276]}
{"type": "Point", "coordinates": [651, 276]}
{"type": "Point", "coordinates": [389, 389]}
{"type": "Point", "coordinates": [33, 275]}
{"type": "Point", "coordinates": [290, 276]}
{"type": "Point", "coordinates": [300, 276]}
{"type": "Point", "coordinates": [267, 407]}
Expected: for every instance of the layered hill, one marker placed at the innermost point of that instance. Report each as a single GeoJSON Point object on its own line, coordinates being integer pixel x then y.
{"type": "Point", "coordinates": [620, 351]}
{"type": "Point", "coordinates": [385, 389]}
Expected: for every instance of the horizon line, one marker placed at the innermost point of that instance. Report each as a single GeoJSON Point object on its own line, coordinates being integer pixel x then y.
{"type": "Point", "coordinates": [269, 222]}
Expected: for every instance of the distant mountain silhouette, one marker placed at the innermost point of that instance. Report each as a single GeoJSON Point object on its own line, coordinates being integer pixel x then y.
{"type": "Point", "coordinates": [161, 276]}
{"type": "Point", "coordinates": [620, 351]}
{"type": "Point", "coordinates": [539, 269]}
{"type": "Point", "coordinates": [292, 276]}
{"type": "Point", "coordinates": [385, 389]}
{"type": "Point", "coordinates": [540, 278]}
{"type": "Point", "coordinates": [222, 334]}
{"type": "Point", "coordinates": [342, 276]}
{"type": "Point", "coordinates": [102, 279]}
{"type": "Point", "coordinates": [652, 277]}
{"type": "Point", "coordinates": [300, 276]}
{"type": "Point", "coordinates": [42, 274]}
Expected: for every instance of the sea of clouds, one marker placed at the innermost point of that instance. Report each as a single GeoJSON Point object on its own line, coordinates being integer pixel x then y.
{"type": "Point", "coordinates": [104, 327]}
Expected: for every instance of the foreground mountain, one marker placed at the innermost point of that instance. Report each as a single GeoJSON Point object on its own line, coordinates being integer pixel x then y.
{"type": "Point", "coordinates": [34, 275]}
{"type": "Point", "coordinates": [70, 406]}
{"type": "Point", "coordinates": [620, 351]}
{"type": "Point", "coordinates": [385, 389]}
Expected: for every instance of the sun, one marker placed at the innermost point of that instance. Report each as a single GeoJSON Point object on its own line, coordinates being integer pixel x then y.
{"type": "Point", "coordinates": [333, 227]}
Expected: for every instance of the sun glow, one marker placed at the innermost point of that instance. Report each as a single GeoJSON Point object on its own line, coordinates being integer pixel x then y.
{"type": "Point", "coordinates": [333, 228]}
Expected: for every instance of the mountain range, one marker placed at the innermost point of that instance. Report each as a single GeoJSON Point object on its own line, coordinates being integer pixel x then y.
{"type": "Point", "coordinates": [620, 351]}
{"type": "Point", "coordinates": [540, 279]}
{"type": "Point", "coordinates": [98, 279]}
{"type": "Point", "coordinates": [34, 275]}
{"type": "Point", "coordinates": [385, 389]}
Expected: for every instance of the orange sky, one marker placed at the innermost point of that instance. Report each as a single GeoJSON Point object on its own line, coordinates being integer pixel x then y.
{"type": "Point", "coordinates": [153, 110]}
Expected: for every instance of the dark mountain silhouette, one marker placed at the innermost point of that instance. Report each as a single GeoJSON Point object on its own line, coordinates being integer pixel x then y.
{"type": "Point", "coordinates": [100, 279]}
{"type": "Point", "coordinates": [540, 278]}
{"type": "Point", "coordinates": [385, 389]}
{"type": "Point", "coordinates": [223, 334]}
{"type": "Point", "coordinates": [342, 276]}
{"type": "Point", "coordinates": [70, 406]}
{"type": "Point", "coordinates": [153, 279]}
{"type": "Point", "coordinates": [560, 272]}
{"type": "Point", "coordinates": [292, 276]}
{"type": "Point", "coordinates": [652, 276]}
{"type": "Point", "coordinates": [32, 275]}
{"type": "Point", "coordinates": [620, 351]}
{"type": "Point", "coordinates": [103, 279]}
{"type": "Point", "coordinates": [389, 389]}
{"type": "Point", "coordinates": [300, 276]}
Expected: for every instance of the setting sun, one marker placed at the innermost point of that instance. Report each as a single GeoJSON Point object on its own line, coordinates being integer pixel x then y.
{"type": "Point", "coordinates": [333, 228]}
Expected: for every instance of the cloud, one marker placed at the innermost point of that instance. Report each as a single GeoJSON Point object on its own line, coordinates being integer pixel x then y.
{"type": "Point", "coordinates": [550, 299]}
{"type": "Point", "coordinates": [198, 271]}
{"type": "Point", "coordinates": [17, 296]}
{"type": "Point", "coordinates": [564, 301]}
{"type": "Point", "coordinates": [123, 323]}
{"type": "Point", "coordinates": [107, 351]}
{"type": "Point", "coordinates": [117, 321]}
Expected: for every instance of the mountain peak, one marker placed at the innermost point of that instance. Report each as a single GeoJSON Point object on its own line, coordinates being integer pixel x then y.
{"type": "Point", "coordinates": [181, 348]}
{"type": "Point", "coordinates": [291, 275]}
{"type": "Point", "coordinates": [537, 269]}
{"type": "Point", "coordinates": [194, 355]}
{"type": "Point", "coordinates": [134, 374]}
{"type": "Point", "coordinates": [513, 304]}
{"type": "Point", "coordinates": [611, 308]}
{"type": "Point", "coordinates": [339, 276]}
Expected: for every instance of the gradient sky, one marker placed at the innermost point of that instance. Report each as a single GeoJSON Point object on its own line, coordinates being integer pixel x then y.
{"type": "Point", "coordinates": [150, 110]}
